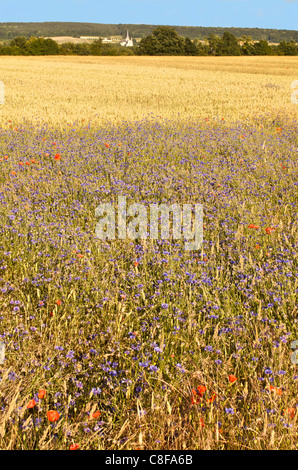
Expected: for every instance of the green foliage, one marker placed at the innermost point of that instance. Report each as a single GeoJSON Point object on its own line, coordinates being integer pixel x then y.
{"type": "Point", "coordinates": [190, 48]}
{"type": "Point", "coordinates": [163, 41]}
{"type": "Point", "coordinates": [229, 44]}
{"type": "Point", "coordinates": [52, 29]}
{"type": "Point", "coordinates": [287, 48]}
{"type": "Point", "coordinates": [262, 48]}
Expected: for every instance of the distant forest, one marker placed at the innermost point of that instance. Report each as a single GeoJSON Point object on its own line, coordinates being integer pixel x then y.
{"type": "Point", "coordinates": [51, 29]}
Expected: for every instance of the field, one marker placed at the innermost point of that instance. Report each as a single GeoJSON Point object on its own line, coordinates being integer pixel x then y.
{"type": "Point", "coordinates": [138, 343]}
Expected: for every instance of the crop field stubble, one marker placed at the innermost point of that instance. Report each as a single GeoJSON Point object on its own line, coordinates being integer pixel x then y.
{"type": "Point", "coordinates": [138, 344]}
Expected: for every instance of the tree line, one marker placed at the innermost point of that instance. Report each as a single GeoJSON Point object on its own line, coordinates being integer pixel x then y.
{"type": "Point", "coordinates": [164, 40]}
{"type": "Point", "coordinates": [48, 29]}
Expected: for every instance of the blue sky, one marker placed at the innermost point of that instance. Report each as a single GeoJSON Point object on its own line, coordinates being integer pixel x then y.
{"type": "Point", "coordinates": [279, 14]}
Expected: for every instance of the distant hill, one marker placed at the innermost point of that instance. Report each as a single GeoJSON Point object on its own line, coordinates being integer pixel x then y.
{"type": "Point", "coordinates": [54, 29]}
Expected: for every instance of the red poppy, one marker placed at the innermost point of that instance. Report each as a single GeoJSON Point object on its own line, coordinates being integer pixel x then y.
{"type": "Point", "coordinates": [201, 389]}
{"type": "Point", "coordinates": [31, 403]}
{"type": "Point", "coordinates": [41, 393]}
{"type": "Point", "coordinates": [96, 414]}
{"type": "Point", "coordinates": [232, 378]}
{"type": "Point", "coordinates": [269, 230]}
{"type": "Point", "coordinates": [275, 390]}
{"type": "Point", "coordinates": [74, 446]}
{"type": "Point", "coordinates": [211, 400]}
{"type": "Point", "coordinates": [53, 416]}
{"type": "Point", "coordinates": [195, 400]}
{"type": "Point", "coordinates": [290, 412]}
{"type": "Point", "coordinates": [107, 145]}
{"type": "Point", "coordinates": [58, 302]}
{"type": "Point", "coordinates": [57, 156]}
{"type": "Point", "coordinates": [253, 226]}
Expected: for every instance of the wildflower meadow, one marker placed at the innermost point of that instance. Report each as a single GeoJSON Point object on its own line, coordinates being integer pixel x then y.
{"type": "Point", "coordinates": [139, 344]}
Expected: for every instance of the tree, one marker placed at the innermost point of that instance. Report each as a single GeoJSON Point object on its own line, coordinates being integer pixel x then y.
{"type": "Point", "coordinates": [287, 48]}
{"type": "Point", "coordinates": [41, 46]}
{"type": "Point", "coordinates": [215, 45]}
{"type": "Point", "coordinates": [247, 46]}
{"type": "Point", "coordinates": [190, 48]}
{"type": "Point", "coordinates": [262, 48]}
{"type": "Point", "coordinates": [163, 41]}
{"type": "Point", "coordinates": [229, 44]}
{"type": "Point", "coordinates": [95, 48]}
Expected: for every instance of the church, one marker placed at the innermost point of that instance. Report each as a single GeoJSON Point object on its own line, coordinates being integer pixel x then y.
{"type": "Point", "coordinates": [128, 41]}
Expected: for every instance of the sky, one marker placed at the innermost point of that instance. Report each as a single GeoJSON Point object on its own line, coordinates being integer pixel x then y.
{"type": "Point", "coordinates": [275, 14]}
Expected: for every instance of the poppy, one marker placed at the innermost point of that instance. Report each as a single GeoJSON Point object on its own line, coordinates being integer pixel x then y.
{"type": "Point", "coordinates": [269, 230]}
{"type": "Point", "coordinates": [41, 393]}
{"type": "Point", "coordinates": [275, 389]}
{"type": "Point", "coordinates": [211, 400]}
{"type": "Point", "coordinates": [202, 424]}
{"type": "Point", "coordinates": [107, 145]}
{"type": "Point", "coordinates": [53, 416]}
{"type": "Point", "coordinates": [253, 226]}
{"type": "Point", "coordinates": [96, 414]}
{"type": "Point", "coordinates": [13, 173]}
{"type": "Point", "coordinates": [232, 378]}
{"type": "Point", "coordinates": [195, 400]}
{"type": "Point", "coordinates": [201, 389]}
{"type": "Point", "coordinates": [290, 412]}
{"type": "Point", "coordinates": [58, 302]}
{"type": "Point", "coordinates": [31, 404]}
{"type": "Point", "coordinates": [57, 156]}
{"type": "Point", "coordinates": [74, 446]}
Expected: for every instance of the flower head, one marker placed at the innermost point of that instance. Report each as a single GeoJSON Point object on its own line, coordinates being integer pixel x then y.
{"type": "Point", "coordinates": [74, 446]}
{"type": "Point", "coordinates": [53, 415]}
{"type": "Point", "coordinates": [232, 378]}
{"type": "Point", "coordinates": [41, 393]}
{"type": "Point", "coordinates": [31, 404]}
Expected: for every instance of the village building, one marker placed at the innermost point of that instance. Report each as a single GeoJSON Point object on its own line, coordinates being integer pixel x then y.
{"type": "Point", "coordinates": [128, 41]}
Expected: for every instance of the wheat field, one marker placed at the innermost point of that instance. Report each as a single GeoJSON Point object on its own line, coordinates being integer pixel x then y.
{"type": "Point", "coordinates": [139, 344]}
{"type": "Point", "coordinates": [112, 89]}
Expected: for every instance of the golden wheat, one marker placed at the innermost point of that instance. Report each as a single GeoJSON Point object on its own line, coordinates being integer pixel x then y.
{"type": "Point", "coordinates": [112, 89]}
